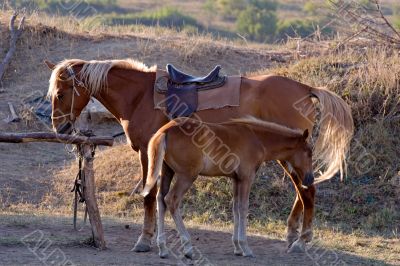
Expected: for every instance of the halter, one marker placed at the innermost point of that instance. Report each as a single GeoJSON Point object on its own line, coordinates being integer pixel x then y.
{"type": "Point", "coordinates": [72, 76]}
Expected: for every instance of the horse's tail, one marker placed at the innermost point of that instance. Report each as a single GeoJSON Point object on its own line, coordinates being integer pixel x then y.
{"type": "Point", "coordinates": [336, 130]}
{"type": "Point", "coordinates": [155, 152]}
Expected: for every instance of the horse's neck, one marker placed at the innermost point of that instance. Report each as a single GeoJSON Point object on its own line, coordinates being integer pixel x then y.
{"type": "Point", "coordinates": [276, 145]}
{"type": "Point", "coordinates": [127, 91]}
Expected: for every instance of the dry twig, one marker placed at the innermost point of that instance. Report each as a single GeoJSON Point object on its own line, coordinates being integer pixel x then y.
{"type": "Point", "coordinates": [15, 34]}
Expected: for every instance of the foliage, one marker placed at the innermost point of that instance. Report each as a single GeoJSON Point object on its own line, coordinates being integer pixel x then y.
{"type": "Point", "coordinates": [258, 21]}
{"type": "Point", "coordinates": [229, 9]}
{"type": "Point", "coordinates": [310, 7]}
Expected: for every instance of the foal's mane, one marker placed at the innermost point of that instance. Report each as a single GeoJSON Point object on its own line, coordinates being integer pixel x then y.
{"type": "Point", "coordinates": [266, 125]}
{"type": "Point", "coordinates": [94, 73]}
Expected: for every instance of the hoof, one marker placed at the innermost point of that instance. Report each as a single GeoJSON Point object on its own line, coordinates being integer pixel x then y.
{"type": "Point", "coordinates": [249, 255]}
{"type": "Point", "coordinates": [189, 254]}
{"type": "Point", "coordinates": [238, 252]}
{"type": "Point", "coordinates": [299, 246]}
{"type": "Point", "coordinates": [142, 245]}
{"type": "Point", "coordinates": [307, 237]}
{"type": "Point", "coordinates": [163, 255]}
{"type": "Point", "coordinates": [163, 251]}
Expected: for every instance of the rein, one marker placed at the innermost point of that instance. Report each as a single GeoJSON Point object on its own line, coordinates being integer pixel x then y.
{"type": "Point", "coordinates": [75, 81]}
{"type": "Point", "coordinates": [79, 184]}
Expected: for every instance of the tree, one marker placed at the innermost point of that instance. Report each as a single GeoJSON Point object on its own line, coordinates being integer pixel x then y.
{"type": "Point", "coordinates": [256, 23]}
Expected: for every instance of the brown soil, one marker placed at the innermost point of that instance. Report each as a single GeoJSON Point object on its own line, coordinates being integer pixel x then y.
{"type": "Point", "coordinates": [24, 244]}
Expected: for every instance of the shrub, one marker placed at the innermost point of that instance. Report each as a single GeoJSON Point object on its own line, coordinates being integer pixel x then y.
{"type": "Point", "coordinates": [310, 7]}
{"type": "Point", "coordinates": [257, 24]}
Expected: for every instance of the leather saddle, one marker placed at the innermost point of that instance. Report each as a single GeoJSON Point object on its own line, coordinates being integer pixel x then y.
{"type": "Point", "coordinates": [180, 77]}
{"type": "Point", "coordinates": [182, 90]}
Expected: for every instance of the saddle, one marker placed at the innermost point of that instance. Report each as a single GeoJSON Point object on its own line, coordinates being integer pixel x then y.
{"type": "Point", "coordinates": [182, 90]}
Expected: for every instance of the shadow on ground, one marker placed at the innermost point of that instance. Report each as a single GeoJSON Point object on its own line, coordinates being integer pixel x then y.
{"type": "Point", "coordinates": [27, 240]}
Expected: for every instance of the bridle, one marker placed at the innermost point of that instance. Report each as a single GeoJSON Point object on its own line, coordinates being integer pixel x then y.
{"type": "Point", "coordinates": [75, 81]}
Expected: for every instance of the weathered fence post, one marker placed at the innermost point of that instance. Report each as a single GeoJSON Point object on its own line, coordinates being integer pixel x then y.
{"type": "Point", "coordinates": [90, 197]}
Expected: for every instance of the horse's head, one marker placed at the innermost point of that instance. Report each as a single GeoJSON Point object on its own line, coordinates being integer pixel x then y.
{"type": "Point", "coordinates": [68, 97]}
{"type": "Point", "coordinates": [301, 160]}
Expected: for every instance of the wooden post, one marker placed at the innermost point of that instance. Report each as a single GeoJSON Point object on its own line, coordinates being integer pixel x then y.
{"type": "Point", "coordinates": [90, 197]}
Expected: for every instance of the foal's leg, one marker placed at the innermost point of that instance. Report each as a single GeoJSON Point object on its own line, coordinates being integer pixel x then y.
{"type": "Point", "coordinates": [235, 207]}
{"type": "Point", "coordinates": [161, 208]}
{"type": "Point", "coordinates": [244, 185]}
{"type": "Point", "coordinates": [173, 201]}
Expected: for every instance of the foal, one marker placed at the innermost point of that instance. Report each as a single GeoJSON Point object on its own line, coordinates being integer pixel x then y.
{"type": "Point", "coordinates": [234, 149]}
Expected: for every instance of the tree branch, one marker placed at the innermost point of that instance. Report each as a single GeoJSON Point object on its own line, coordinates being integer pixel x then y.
{"type": "Point", "coordinates": [15, 34]}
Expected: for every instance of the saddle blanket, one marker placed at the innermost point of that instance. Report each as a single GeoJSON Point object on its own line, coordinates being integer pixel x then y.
{"type": "Point", "coordinates": [226, 95]}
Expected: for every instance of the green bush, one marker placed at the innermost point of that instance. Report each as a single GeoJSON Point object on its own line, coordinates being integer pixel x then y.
{"type": "Point", "coordinates": [257, 23]}
{"type": "Point", "coordinates": [310, 7]}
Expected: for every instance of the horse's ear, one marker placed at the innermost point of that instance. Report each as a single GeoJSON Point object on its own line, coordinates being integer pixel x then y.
{"type": "Point", "coordinates": [305, 134]}
{"type": "Point", "coordinates": [50, 65]}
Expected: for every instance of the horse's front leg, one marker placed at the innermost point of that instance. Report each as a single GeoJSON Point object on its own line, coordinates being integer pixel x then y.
{"type": "Point", "coordinates": [144, 242]}
{"type": "Point", "coordinates": [293, 221]}
{"type": "Point", "coordinates": [307, 196]}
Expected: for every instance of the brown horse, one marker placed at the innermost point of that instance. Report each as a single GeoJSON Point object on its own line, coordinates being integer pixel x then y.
{"type": "Point", "coordinates": [125, 88]}
{"type": "Point", "coordinates": [247, 142]}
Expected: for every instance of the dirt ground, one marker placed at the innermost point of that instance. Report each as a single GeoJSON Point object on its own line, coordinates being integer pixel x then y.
{"type": "Point", "coordinates": [52, 241]}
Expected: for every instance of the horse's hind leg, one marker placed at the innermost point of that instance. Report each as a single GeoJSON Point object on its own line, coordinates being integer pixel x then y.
{"type": "Point", "coordinates": [235, 208]}
{"type": "Point", "coordinates": [161, 208]}
{"type": "Point", "coordinates": [244, 185]}
{"type": "Point", "coordinates": [173, 200]}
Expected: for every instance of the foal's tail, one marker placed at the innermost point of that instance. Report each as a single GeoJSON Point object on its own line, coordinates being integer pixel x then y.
{"type": "Point", "coordinates": [155, 153]}
{"type": "Point", "coordinates": [336, 131]}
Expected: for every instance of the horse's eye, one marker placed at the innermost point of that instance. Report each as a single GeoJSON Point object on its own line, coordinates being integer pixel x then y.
{"type": "Point", "coordinates": [59, 96]}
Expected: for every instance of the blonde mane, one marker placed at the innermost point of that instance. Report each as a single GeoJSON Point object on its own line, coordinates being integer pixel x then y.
{"type": "Point", "coordinates": [269, 126]}
{"type": "Point", "coordinates": [94, 73]}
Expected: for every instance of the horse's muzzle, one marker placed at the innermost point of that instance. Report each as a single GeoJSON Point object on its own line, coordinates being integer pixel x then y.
{"type": "Point", "coordinates": [308, 179]}
{"type": "Point", "coordinates": [65, 128]}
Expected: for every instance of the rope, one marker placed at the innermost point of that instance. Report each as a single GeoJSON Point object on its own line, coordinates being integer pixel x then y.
{"type": "Point", "coordinates": [79, 186]}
